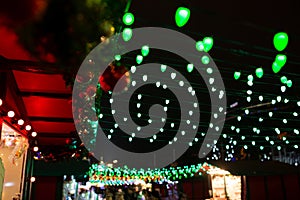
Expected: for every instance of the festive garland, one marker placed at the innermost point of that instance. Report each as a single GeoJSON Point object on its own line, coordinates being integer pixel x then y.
{"type": "Point", "coordinates": [108, 175]}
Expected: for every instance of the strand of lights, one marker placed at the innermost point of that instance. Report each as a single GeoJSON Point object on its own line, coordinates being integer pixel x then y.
{"type": "Point", "coordinates": [102, 174]}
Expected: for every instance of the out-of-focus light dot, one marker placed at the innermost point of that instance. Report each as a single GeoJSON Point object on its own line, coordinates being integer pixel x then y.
{"type": "Point", "coordinates": [145, 77]}
{"type": "Point", "coordinates": [278, 98]}
{"type": "Point", "coordinates": [109, 137]}
{"type": "Point", "coordinates": [246, 111]}
{"type": "Point", "coordinates": [28, 128]}
{"type": "Point", "coordinates": [182, 132]}
{"type": "Point", "coordinates": [248, 99]}
{"type": "Point", "coordinates": [277, 130]}
{"type": "Point", "coordinates": [243, 137]}
{"type": "Point", "coordinates": [209, 70]}
{"type": "Point", "coordinates": [296, 146]}
{"type": "Point", "coordinates": [11, 113]}
{"type": "Point", "coordinates": [196, 139]}
{"type": "Point", "coordinates": [205, 60]}
{"type": "Point", "coordinates": [298, 103]}
{"type": "Point", "coordinates": [20, 122]}
{"type": "Point", "coordinates": [133, 83]}
{"type": "Point", "coordinates": [258, 131]}
{"type": "Point", "coordinates": [286, 101]}
{"type": "Point", "coordinates": [260, 119]}
{"type": "Point", "coordinates": [287, 142]}
{"type": "Point", "coordinates": [157, 84]}
{"type": "Point", "coordinates": [250, 83]}
{"type": "Point", "coordinates": [253, 143]}
{"type": "Point", "coordinates": [33, 134]}
{"type": "Point", "coordinates": [151, 140]}
{"type": "Point", "coordinates": [261, 147]}
{"type": "Point", "coordinates": [278, 148]}
{"type": "Point", "coordinates": [132, 134]}
{"type": "Point", "coordinates": [35, 149]}
{"type": "Point", "coordinates": [250, 77]}
{"type": "Point", "coordinates": [249, 92]}
{"type": "Point", "coordinates": [239, 118]}
{"type": "Point", "coordinates": [296, 131]}
{"type": "Point", "coordinates": [190, 144]}
{"type": "Point", "coordinates": [130, 139]}
{"type": "Point", "coordinates": [224, 135]}
{"type": "Point", "coordinates": [270, 114]}
{"type": "Point", "coordinates": [32, 179]}
{"type": "Point", "coordinates": [232, 127]}
{"type": "Point", "coordinates": [133, 69]}
{"type": "Point", "coordinates": [267, 138]}
{"type": "Point", "coordinates": [245, 147]}
{"type": "Point", "coordinates": [272, 142]}
{"type": "Point", "coordinates": [273, 101]}
{"type": "Point", "coordinates": [181, 83]}
{"type": "Point", "coordinates": [128, 18]}
{"type": "Point", "coordinates": [234, 142]}
{"type": "Point", "coordinates": [1, 102]}
{"type": "Point", "coordinates": [261, 98]}
{"type": "Point", "coordinates": [139, 96]}
{"type": "Point", "coordinates": [283, 88]}
{"type": "Point", "coordinates": [284, 121]}
{"type": "Point", "coordinates": [237, 130]}
{"type": "Point", "coordinates": [175, 139]}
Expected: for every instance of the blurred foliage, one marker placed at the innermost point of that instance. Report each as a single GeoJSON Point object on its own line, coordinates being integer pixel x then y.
{"type": "Point", "coordinates": [67, 30]}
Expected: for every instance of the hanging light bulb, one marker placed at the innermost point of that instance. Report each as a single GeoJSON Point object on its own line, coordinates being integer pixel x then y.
{"type": "Point", "coordinates": [127, 34]}
{"type": "Point", "coordinates": [208, 43]}
{"type": "Point", "coordinates": [275, 67]}
{"type": "Point", "coordinates": [128, 19]}
{"type": "Point", "coordinates": [33, 134]}
{"type": "Point", "coordinates": [280, 41]}
{"type": "Point", "coordinates": [20, 122]}
{"type": "Point", "coordinates": [182, 16]}
{"type": "Point", "coordinates": [11, 114]}
{"type": "Point", "coordinates": [237, 75]}
{"type": "Point", "coordinates": [259, 72]}
{"type": "Point", "coordinates": [145, 50]}
{"type": "Point", "coordinates": [280, 60]}
{"type": "Point", "coordinates": [190, 67]}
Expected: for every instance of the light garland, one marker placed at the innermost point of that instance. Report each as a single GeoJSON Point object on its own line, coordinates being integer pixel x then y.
{"type": "Point", "coordinates": [103, 174]}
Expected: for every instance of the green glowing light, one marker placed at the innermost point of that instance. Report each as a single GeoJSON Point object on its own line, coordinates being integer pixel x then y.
{"type": "Point", "coordinates": [237, 75]}
{"type": "Point", "coordinates": [283, 79]}
{"type": "Point", "coordinates": [280, 60]}
{"type": "Point", "coordinates": [280, 41]}
{"type": "Point", "coordinates": [259, 72]}
{"type": "Point", "coordinates": [205, 60]}
{"type": "Point", "coordinates": [127, 34]}
{"type": "Point", "coordinates": [163, 68]}
{"type": "Point", "coordinates": [208, 43]}
{"type": "Point", "coordinates": [145, 50]}
{"type": "Point", "coordinates": [117, 57]}
{"type": "Point", "coordinates": [275, 67]}
{"type": "Point", "coordinates": [139, 59]}
{"type": "Point", "coordinates": [200, 46]}
{"type": "Point", "coordinates": [182, 16]}
{"type": "Point", "coordinates": [289, 83]}
{"type": "Point", "coordinates": [190, 67]}
{"type": "Point", "coordinates": [128, 19]}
